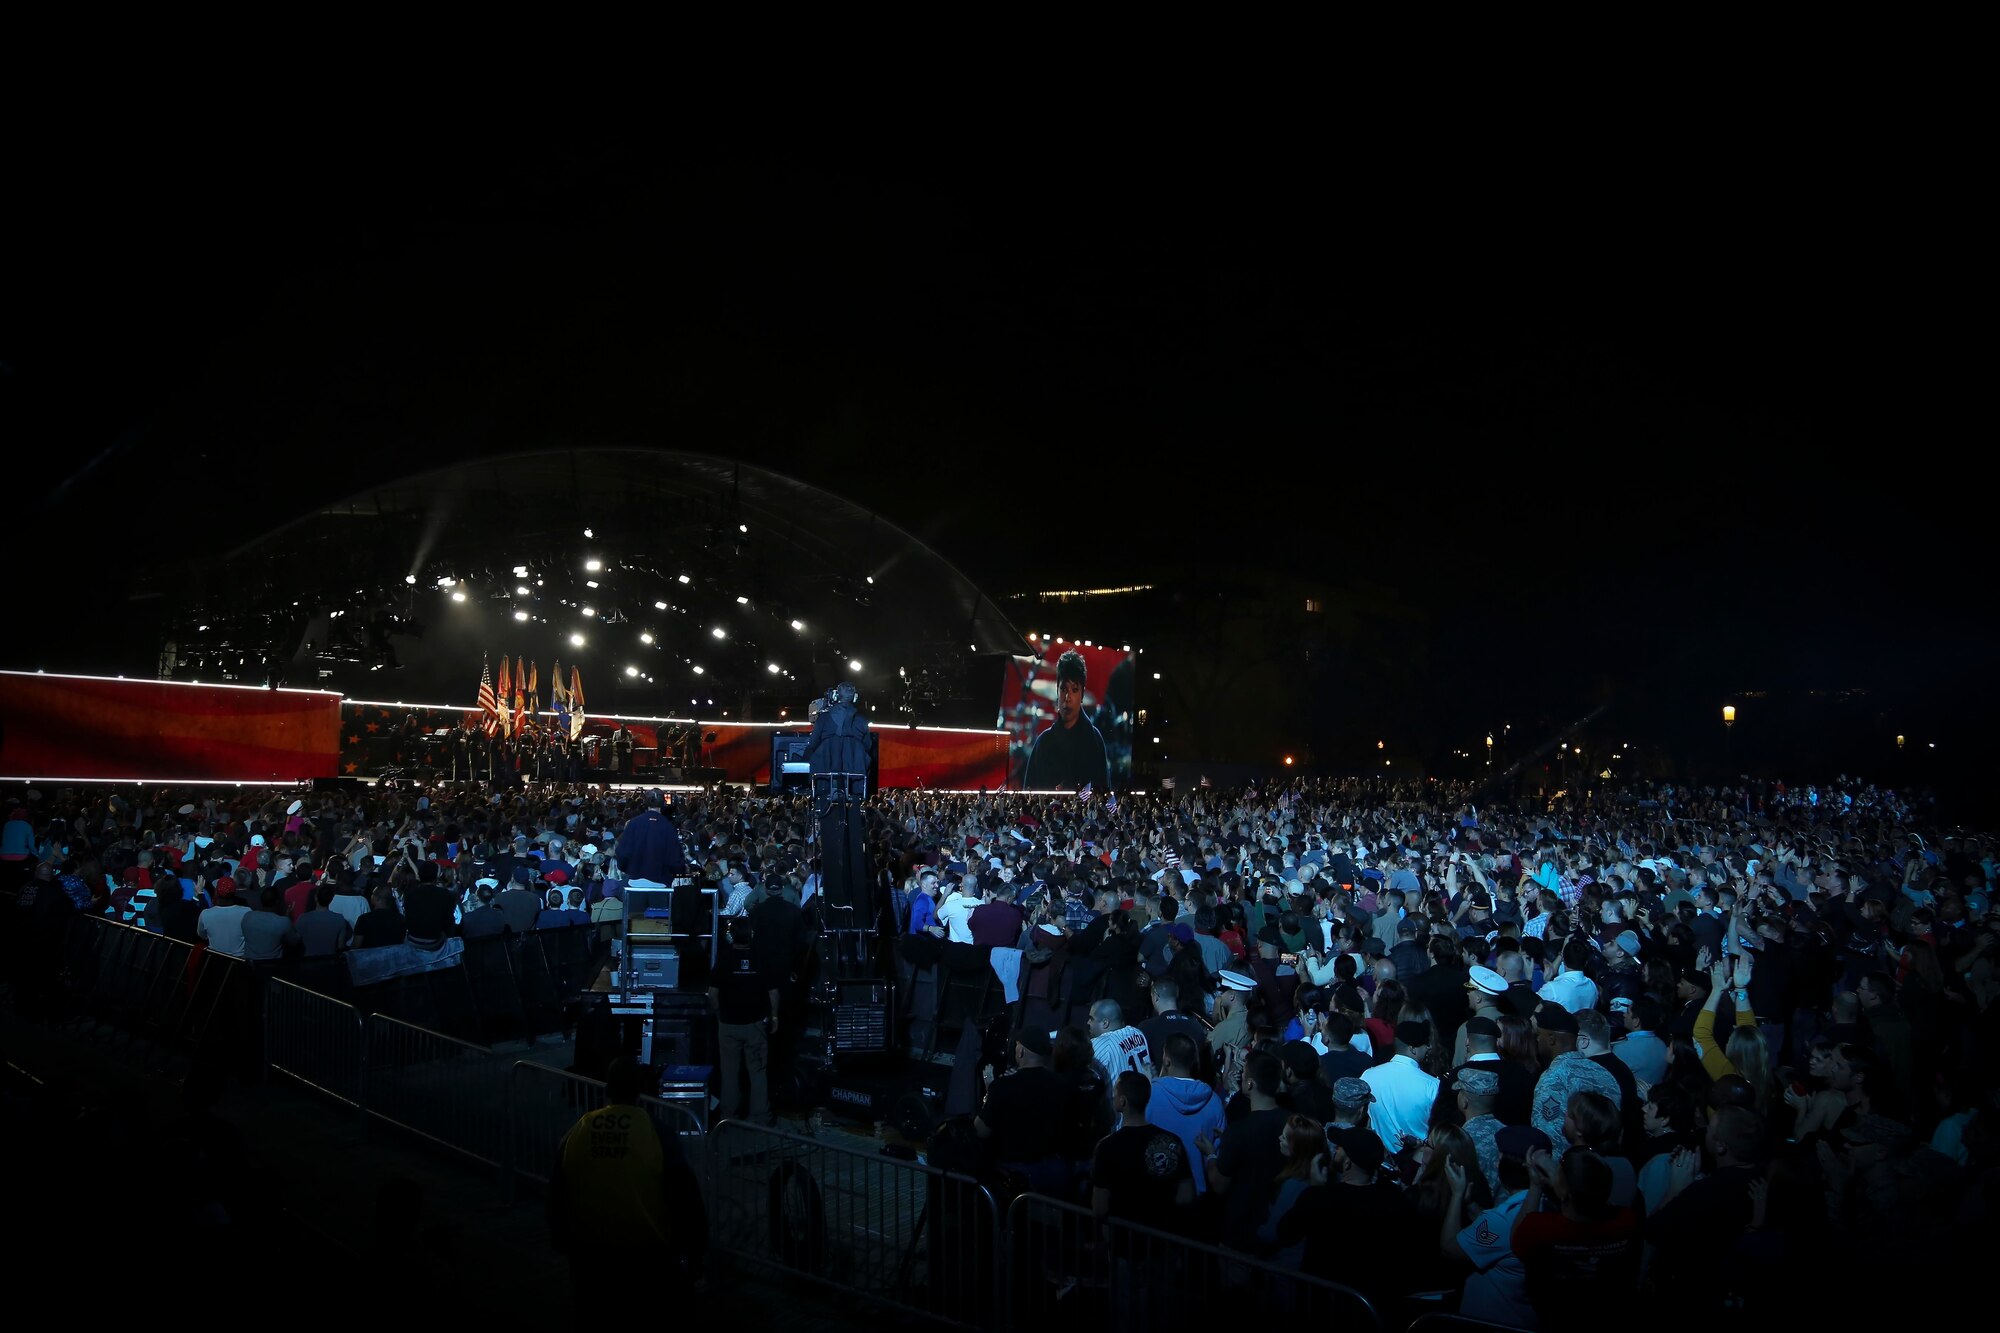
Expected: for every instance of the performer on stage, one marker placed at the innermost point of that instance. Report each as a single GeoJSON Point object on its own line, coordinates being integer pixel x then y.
{"type": "Point", "coordinates": [621, 752]}
{"type": "Point", "coordinates": [462, 749]}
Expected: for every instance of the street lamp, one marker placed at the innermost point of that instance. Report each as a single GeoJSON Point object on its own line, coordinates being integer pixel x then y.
{"type": "Point", "coordinates": [1729, 715]}
{"type": "Point", "coordinates": [1899, 741]}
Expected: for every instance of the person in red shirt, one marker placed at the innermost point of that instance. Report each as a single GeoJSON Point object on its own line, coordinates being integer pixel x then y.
{"type": "Point", "coordinates": [1583, 1259]}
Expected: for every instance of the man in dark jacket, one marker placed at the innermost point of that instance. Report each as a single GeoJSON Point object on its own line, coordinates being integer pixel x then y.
{"type": "Point", "coordinates": [840, 734]}
{"type": "Point", "coordinates": [649, 850]}
{"type": "Point", "coordinates": [1441, 988]}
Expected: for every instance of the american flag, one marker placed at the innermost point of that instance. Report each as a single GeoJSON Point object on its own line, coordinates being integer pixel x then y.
{"type": "Point", "coordinates": [575, 702]}
{"type": "Point", "coordinates": [1084, 793]}
{"type": "Point", "coordinates": [1173, 859]}
{"type": "Point", "coordinates": [489, 706]}
{"type": "Point", "coordinates": [1111, 803]}
{"type": "Point", "coordinates": [505, 718]}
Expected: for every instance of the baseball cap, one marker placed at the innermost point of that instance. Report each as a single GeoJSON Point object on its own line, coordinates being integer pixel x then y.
{"type": "Point", "coordinates": [1628, 942]}
{"type": "Point", "coordinates": [1517, 1141]}
{"type": "Point", "coordinates": [1552, 1017]}
{"type": "Point", "coordinates": [1481, 1026]}
{"type": "Point", "coordinates": [1352, 1092]}
{"type": "Point", "coordinates": [1300, 1058]}
{"type": "Point", "coordinates": [1486, 980]}
{"type": "Point", "coordinates": [1413, 1033]}
{"type": "Point", "coordinates": [1361, 1145]}
{"type": "Point", "coordinates": [1036, 1040]}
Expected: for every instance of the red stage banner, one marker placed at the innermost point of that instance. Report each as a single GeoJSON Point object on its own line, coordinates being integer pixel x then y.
{"type": "Point", "coordinates": [148, 730]}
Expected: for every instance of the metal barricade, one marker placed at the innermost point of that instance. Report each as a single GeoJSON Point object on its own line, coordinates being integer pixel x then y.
{"type": "Point", "coordinates": [900, 1233]}
{"type": "Point", "coordinates": [1066, 1269]}
{"type": "Point", "coordinates": [314, 1039]}
{"type": "Point", "coordinates": [442, 1089]}
{"type": "Point", "coordinates": [542, 1104]}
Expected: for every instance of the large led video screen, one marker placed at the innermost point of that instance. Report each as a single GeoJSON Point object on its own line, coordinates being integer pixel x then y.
{"type": "Point", "coordinates": [1068, 713]}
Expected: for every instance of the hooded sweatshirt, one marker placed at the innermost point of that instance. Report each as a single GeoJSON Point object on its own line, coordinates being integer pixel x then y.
{"type": "Point", "coordinates": [1190, 1109]}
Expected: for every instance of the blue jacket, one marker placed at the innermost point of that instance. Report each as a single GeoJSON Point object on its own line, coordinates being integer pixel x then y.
{"type": "Point", "coordinates": [650, 848]}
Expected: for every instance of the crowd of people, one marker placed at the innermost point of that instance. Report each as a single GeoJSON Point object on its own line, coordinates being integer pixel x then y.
{"type": "Point", "coordinates": [1700, 1048]}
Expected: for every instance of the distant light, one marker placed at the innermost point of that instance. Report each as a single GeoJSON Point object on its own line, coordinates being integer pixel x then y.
{"type": "Point", "coordinates": [1383, 745]}
{"type": "Point", "coordinates": [409, 578]}
{"type": "Point", "coordinates": [590, 583]}
{"type": "Point", "coordinates": [774, 668]}
{"type": "Point", "coordinates": [871, 578]}
{"type": "Point", "coordinates": [799, 625]}
{"type": "Point", "coordinates": [645, 638]}
{"type": "Point", "coordinates": [576, 639]}
{"type": "Point", "coordinates": [593, 565]}
{"type": "Point", "coordinates": [631, 671]}
{"type": "Point", "coordinates": [659, 606]}
{"type": "Point", "coordinates": [589, 611]}
{"type": "Point", "coordinates": [521, 590]}
{"type": "Point", "coordinates": [520, 615]}
{"type": "Point", "coordinates": [1156, 675]}
{"type": "Point", "coordinates": [971, 647]}
{"type": "Point", "coordinates": [587, 532]}
{"type": "Point", "coordinates": [446, 581]}
{"type": "Point", "coordinates": [1933, 745]}
{"type": "Point", "coordinates": [520, 571]}
{"type": "Point", "coordinates": [1156, 740]}
{"type": "Point", "coordinates": [854, 666]}
{"type": "Point", "coordinates": [743, 527]}
{"type": "Point", "coordinates": [1031, 636]}
{"type": "Point", "coordinates": [1288, 761]}
{"type": "Point", "coordinates": [202, 627]}
{"type": "Point", "coordinates": [697, 671]}
{"type": "Point", "coordinates": [458, 597]}
{"type": "Point", "coordinates": [1126, 649]}
{"type": "Point", "coordinates": [719, 633]}
{"type": "Point", "coordinates": [743, 601]}
{"type": "Point", "coordinates": [1386, 763]}
{"type": "Point", "coordinates": [686, 579]}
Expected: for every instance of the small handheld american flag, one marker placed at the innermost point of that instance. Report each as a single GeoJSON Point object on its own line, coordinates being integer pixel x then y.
{"type": "Point", "coordinates": [1084, 793]}
{"type": "Point", "coordinates": [1173, 860]}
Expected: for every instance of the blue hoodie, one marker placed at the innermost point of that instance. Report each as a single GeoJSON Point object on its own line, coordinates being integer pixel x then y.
{"type": "Point", "coordinates": [1190, 1109]}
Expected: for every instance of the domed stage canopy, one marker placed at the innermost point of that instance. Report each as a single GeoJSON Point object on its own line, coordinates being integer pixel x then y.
{"type": "Point", "coordinates": [670, 579]}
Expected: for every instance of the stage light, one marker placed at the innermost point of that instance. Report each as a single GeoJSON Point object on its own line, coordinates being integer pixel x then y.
{"type": "Point", "coordinates": [1383, 745]}
{"type": "Point", "coordinates": [590, 583]}
{"type": "Point", "coordinates": [1156, 740]}
{"type": "Point", "coordinates": [1031, 636]}
{"type": "Point", "coordinates": [446, 581]}
{"type": "Point", "coordinates": [686, 579]}
{"type": "Point", "coordinates": [718, 632]}
{"type": "Point", "coordinates": [871, 578]}
{"type": "Point", "coordinates": [593, 565]}
{"type": "Point", "coordinates": [659, 606]}
{"type": "Point", "coordinates": [743, 601]}
{"type": "Point", "coordinates": [1288, 761]}
{"type": "Point", "coordinates": [520, 615]}
{"type": "Point", "coordinates": [458, 597]}
{"type": "Point", "coordinates": [409, 578]}
{"type": "Point", "coordinates": [521, 590]}
{"type": "Point", "coordinates": [774, 668]}
{"type": "Point", "coordinates": [697, 671]}
{"type": "Point", "coordinates": [743, 527]}
{"type": "Point", "coordinates": [202, 627]}
{"type": "Point", "coordinates": [645, 638]}
{"type": "Point", "coordinates": [1156, 675]}
{"type": "Point", "coordinates": [587, 532]}
{"type": "Point", "coordinates": [1126, 649]}
{"type": "Point", "coordinates": [576, 640]}
{"type": "Point", "coordinates": [631, 671]}
{"type": "Point", "coordinates": [589, 611]}
{"type": "Point", "coordinates": [520, 571]}
{"type": "Point", "coordinates": [799, 625]}
{"type": "Point", "coordinates": [854, 666]}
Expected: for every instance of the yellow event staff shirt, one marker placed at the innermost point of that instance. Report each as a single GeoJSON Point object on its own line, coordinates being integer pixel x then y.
{"type": "Point", "coordinates": [613, 1169]}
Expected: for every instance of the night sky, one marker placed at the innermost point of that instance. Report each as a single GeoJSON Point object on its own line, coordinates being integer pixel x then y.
{"type": "Point", "coordinates": [1689, 413]}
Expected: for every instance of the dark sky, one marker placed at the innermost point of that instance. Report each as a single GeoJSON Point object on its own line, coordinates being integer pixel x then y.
{"type": "Point", "coordinates": [1583, 402]}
